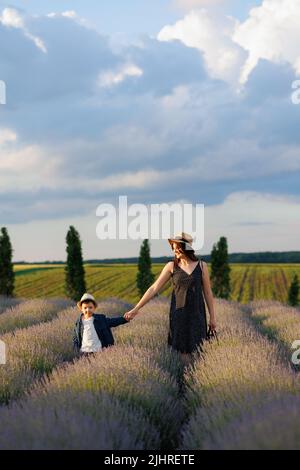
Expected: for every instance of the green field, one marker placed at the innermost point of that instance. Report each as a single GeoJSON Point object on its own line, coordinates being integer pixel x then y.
{"type": "Point", "coordinates": [248, 281]}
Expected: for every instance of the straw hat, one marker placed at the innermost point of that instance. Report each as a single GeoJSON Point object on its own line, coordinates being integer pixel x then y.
{"type": "Point", "coordinates": [86, 297]}
{"type": "Point", "coordinates": [182, 237]}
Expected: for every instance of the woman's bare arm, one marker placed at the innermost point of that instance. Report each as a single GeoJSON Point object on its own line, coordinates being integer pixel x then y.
{"type": "Point", "coordinates": [208, 295]}
{"type": "Point", "coordinates": [154, 289]}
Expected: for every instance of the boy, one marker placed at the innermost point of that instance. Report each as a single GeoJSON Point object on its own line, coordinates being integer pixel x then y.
{"type": "Point", "coordinates": [92, 331]}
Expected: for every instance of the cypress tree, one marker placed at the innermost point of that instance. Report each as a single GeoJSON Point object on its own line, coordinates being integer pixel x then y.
{"type": "Point", "coordinates": [293, 297]}
{"type": "Point", "coordinates": [220, 269]}
{"type": "Point", "coordinates": [7, 275]}
{"type": "Point", "coordinates": [75, 285]}
{"type": "Point", "coordinates": [144, 277]}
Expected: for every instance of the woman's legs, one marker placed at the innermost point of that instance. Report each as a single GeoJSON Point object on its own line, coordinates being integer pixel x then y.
{"type": "Point", "coordinates": [186, 358]}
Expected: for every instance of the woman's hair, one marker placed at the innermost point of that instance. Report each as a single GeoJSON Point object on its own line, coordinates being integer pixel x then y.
{"type": "Point", "coordinates": [187, 252]}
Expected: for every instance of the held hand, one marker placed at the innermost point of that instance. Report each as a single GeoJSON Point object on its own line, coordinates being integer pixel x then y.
{"type": "Point", "coordinates": [131, 314]}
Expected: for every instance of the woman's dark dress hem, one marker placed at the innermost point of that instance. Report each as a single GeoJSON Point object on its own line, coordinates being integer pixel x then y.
{"type": "Point", "coordinates": [187, 316]}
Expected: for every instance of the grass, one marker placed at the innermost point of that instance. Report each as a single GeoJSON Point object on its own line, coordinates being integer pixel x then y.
{"type": "Point", "coordinates": [240, 392]}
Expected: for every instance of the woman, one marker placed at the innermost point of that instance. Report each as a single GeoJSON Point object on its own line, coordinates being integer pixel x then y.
{"type": "Point", "coordinates": [190, 278]}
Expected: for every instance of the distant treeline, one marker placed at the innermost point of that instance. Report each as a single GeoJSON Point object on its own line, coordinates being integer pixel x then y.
{"type": "Point", "coordinates": [266, 257]}
{"type": "Point", "coordinates": [259, 257]}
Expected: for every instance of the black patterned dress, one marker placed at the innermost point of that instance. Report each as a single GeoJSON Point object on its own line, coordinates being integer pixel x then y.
{"type": "Point", "coordinates": [188, 323]}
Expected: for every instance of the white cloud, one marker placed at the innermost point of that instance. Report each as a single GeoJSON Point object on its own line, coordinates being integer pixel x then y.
{"type": "Point", "coordinates": [211, 34]}
{"type": "Point", "coordinates": [37, 167]}
{"type": "Point", "coordinates": [251, 221]}
{"type": "Point", "coordinates": [252, 207]}
{"type": "Point", "coordinates": [127, 180]}
{"type": "Point", "coordinates": [110, 78]}
{"type": "Point", "coordinates": [69, 14]}
{"type": "Point", "coordinates": [33, 167]}
{"type": "Point", "coordinates": [254, 221]}
{"type": "Point", "coordinates": [154, 136]}
{"type": "Point", "coordinates": [7, 136]}
{"type": "Point", "coordinates": [72, 15]}
{"type": "Point", "coordinates": [12, 18]}
{"type": "Point", "coordinates": [178, 99]}
{"type": "Point", "coordinates": [232, 49]}
{"type": "Point", "coordinates": [26, 168]}
{"type": "Point", "coordinates": [271, 32]}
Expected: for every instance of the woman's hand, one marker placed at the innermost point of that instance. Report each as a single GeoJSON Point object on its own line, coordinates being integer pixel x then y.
{"type": "Point", "coordinates": [131, 314]}
{"type": "Point", "coordinates": [213, 324]}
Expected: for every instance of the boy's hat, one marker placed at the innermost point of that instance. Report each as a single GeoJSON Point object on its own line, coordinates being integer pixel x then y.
{"type": "Point", "coordinates": [182, 237]}
{"type": "Point", "coordinates": [86, 297]}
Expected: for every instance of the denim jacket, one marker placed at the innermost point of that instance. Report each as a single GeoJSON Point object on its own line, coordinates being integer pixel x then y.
{"type": "Point", "coordinates": [102, 324]}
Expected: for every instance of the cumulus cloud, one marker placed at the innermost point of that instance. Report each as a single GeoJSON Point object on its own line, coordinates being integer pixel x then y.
{"type": "Point", "coordinates": [251, 220]}
{"type": "Point", "coordinates": [110, 78]}
{"type": "Point", "coordinates": [84, 122]}
{"type": "Point", "coordinates": [68, 14]}
{"type": "Point", "coordinates": [212, 35]}
{"type": "Point", "coordinates": [271, 32]}
{"type": "Point", "coordinates": [6, 136]}
{"type": "Point", "coordinates": [12, 18]}
{"type": "Point", "coordinates": [232, 49]}
{"type": "Point", "coordinates": [72, 15]}
{"type": "Point", "coordinates": [25, 168]}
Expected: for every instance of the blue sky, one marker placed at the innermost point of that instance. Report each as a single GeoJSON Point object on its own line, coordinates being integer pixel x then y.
{"type": "Point", "coordinates": [130, 16]}
{"type": "Point", "coordinates": [181, 101]}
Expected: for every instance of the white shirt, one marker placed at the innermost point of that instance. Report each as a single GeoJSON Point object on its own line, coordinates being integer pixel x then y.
{"type": "Point", "coordinates": [90, 339]}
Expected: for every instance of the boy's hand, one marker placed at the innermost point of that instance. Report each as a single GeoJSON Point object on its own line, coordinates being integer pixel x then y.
{"type": "Point", "coordinates": [131, 314]}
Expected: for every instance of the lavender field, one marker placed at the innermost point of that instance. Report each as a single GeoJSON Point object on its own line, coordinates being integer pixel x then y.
{"type": "Point", "coordinates": [242, 392]}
